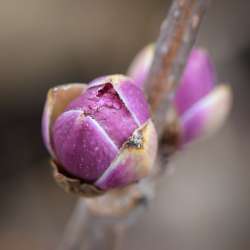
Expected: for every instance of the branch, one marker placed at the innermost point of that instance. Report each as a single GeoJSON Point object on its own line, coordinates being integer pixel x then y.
{"type": "Point", "coordinates": [85, 229]}
{"type": "Point", "coordinates": [75, 228]}
{"type": "Point", "coordinates": [178, 33]}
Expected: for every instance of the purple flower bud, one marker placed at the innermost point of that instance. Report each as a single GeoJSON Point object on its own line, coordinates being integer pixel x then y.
{"type": "Point", "coordinates": [201, 108]}
{"type": "Point", "coordinates": [104, 136]}
{"type": "Point", "coordinates": [195, 98]}
{"type": "Point", "coordinates": [199, 68]}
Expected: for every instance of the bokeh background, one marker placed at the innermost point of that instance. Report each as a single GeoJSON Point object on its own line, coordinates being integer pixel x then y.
{"type": "Point", "coordinates": [204, 204]}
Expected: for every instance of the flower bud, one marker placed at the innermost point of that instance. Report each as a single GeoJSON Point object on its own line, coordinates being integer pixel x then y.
{"type": "Point", "coordinates": [201, 107]}
{"type": "Point", "coordinates": [195, 99]}
{"type": "Point", "coordinates": [103, 136]}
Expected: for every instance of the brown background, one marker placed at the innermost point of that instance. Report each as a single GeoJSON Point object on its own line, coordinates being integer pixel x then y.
{"type": "Point", "coordinates": [204, 204]}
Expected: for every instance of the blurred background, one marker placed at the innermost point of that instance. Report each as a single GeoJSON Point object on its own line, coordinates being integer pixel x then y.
{"type": "Point", "coordinates": [204, 204]}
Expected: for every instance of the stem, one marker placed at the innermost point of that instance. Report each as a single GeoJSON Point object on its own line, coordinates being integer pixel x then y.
{"type": "Point", "coordinates": [93, 232]}
{"type": "Point", "coordinates": [177, 36]}
{"type": "Point", "coordinates": [105, 235]}
{"type": "Point", "coordinates": [100, 222]}
{"type": "Point", "coordinates": [72, 236]}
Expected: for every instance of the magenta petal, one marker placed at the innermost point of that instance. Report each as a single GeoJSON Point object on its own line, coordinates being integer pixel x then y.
{"type": "Point", "coordinates": [207, 115]}
{"type": "Point", "coordinates": [119, 176]}
{"type": "Point", "coordinates": [57, 99]}
{"type": "Point", "coordinates": [82, 146]}
{"type": "Point", "coordinates": [132, 163]}
{"type": "Point", "coordinates": [134, 100]}
{"type": "Point", "coordinates": [131, 95]}
{"type": "Point", "coordinates": [104, 105]}
{"type": "Point", "coordinates": [197, 80]}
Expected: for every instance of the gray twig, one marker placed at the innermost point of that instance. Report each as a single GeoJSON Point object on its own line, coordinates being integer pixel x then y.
{"type": "Point", "coordinates": [177, 36]}
{"type": "Point", "coordinates": [75, 228]}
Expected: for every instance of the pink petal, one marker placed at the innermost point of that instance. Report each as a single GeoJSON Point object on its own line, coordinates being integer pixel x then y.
{"type": "Point", "coordinates": [132, 163]}
{"type": "Point", "coordinates": [198, 80]}
{"type": "Point", "coordinates": [57, 99]}
{"type": "Point", "coordinates": [82, 146]}
{"type": "Point", "coordinates": [207, 115]}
